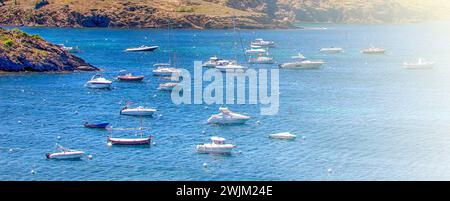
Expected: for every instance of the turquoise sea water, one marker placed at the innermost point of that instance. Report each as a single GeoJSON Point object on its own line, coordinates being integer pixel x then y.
{"type": "Point", "coordinates": [363, 117]}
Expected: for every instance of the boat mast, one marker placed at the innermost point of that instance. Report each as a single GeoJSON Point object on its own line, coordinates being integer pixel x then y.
{"type": "Point", "coordinates": [169, 44]}
{"type": "Point", "coordinates": [240, 40]}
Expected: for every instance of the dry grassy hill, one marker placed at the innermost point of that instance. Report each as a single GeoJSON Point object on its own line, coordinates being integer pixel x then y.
{"type": "Point", "coordinates": [215, 13]}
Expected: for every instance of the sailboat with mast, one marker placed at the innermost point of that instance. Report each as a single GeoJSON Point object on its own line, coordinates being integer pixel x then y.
{"type": "Point", "coordinates": [233, 66]}
{"type": "Point", "coordinates": [166, 69]}
{"type": "Point", "coordinates": [141, 140]}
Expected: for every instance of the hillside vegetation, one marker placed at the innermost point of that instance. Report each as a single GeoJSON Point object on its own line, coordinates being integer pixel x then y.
{"type": "Point", "coordinates": [201, 14]}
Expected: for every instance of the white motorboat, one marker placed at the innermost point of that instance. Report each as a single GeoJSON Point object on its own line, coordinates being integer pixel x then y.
{"type": "Point", "coordinates": [331, 50]}
{"type": "Point", "coordinates": [65, 154]}
{"type": "Point", "coordinates": [142, 48]}
{"type": "Point", "coordinates": [421, 64]}
{"type": "Point", "coordinates": [167, 86]}
{"type": "Point", "coordinates": [255, 46]}
{"type": "Point", "coordinates": [217, 146]}
{"type": "Point", "coordinates": [231, 68]}
{"type": "Point", "coordinates": [227, 117]}
{"type": "Point", "coordinates": [305, 64]}
{"type": "Point", "coordinates": [283, 135]}
{"type": "Point", "coordinates": [98, 82]}
{"type": "Point", "coordinates": [138, 111]}
{"type": "Point", "coordinates": [261, 60]}
{"type": "Point", "coordinates": [215, 61]}
{"type": "Point", "coordinates": [373, 50]}
{"type": "Point", "coordinates": [165, 71]}
{"type": "Point", "coordinates": [75, 49]}
{"type": "Point", "coordinates": [263, 43]}
{"type": "Point", "coordinates": [255, 51]}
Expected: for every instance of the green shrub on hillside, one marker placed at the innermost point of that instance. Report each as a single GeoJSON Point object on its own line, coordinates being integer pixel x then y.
{"type": "Point", "coordinates": [8, 43]}
{"type": "Point", "coordinates": [38, 37]}
{"type": "Point", "coordinates": [185, 9]}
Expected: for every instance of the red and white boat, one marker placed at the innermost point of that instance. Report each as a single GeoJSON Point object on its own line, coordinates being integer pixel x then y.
{"type": "Point", "coordinates": [130, 141]}
{"type": "Point", "coordinates": [130, 77]}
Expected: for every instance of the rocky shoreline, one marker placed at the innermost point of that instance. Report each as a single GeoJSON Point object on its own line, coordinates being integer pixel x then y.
{"type": "Point", "coordinates": [21, 52]}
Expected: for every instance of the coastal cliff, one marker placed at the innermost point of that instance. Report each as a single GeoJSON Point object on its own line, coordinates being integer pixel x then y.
{"type": "Point", "coordinates": [215, 14]}
{"type": "Point", "coordinates": [195, 14]}
{"type": "Point", "coordinates": [20, 51]}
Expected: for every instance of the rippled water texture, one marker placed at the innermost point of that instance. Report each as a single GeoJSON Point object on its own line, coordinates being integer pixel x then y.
{"type": "Point", "coordinates": [362, 117]}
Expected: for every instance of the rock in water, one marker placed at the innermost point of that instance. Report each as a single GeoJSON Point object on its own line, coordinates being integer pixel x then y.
{"type": "Point", "coordinates": [20, 51]}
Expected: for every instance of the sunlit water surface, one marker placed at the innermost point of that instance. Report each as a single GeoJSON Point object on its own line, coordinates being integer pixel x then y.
{"type": "Point", "coordinates": [359, 117]}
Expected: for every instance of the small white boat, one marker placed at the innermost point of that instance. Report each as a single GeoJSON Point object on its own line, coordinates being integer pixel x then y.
{"type": "Point", "coordinates": [167, 86]}
{"type": "Point", "coordinates": [75, 49]}
{"type": "Point", "coordinates": [331, 50]}
{"type": "Point", "coordinates": [142, 48]}
{"type": "Point", "coordinates": [98, 82]}
{"type": "Point", "coordinates": [373, 50]}
{"type": "Point", "coordinates": [215, 61]}
{"type": "Point", "coordinates": [138, 111]}
{"type": "Point", "coordinates": [227, 117]}
{"type": "Point", "coordinates": [65, 154]}
{"type": "Point", "coordinates": [165, 71]}
{"type": "Point", "coordinates": [421, 64]}
{"type": "Point", "coordinates": [141, 140]}
{"type": "Point", "coordinates": [261, 60]}
{"type": "Point", "coordinates": [255, 51]}
{"type": "Point", "coordinates": [231, 68]}
{"type": "Point", "coordinates": [217, 146]}
{"type": "Point", "coordinates": [263, 43]}
{"type": "Point", "coordinates": [284, 136]}
{"type": "Point", "coordinates": [255, 46]}
{"type": "Point", "coordinates": [305, 64]}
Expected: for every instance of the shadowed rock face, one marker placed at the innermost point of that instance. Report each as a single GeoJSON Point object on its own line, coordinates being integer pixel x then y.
{"type": "Point", "coordinates": [22, 52]}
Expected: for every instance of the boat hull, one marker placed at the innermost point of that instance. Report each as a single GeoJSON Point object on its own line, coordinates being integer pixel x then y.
{"type": "Point", "coordinates": [331, 51]}
{"type": "Point", "coordinates": [130, 79]}
{"type": "Point", "coordinates": [146, 49]}
{"type": "Point", "coordinates": [418, 66]}
{"type": "Point", "coordinates": [300, 65]}
{"type": "Point", "coordinates": [282, 136]}
{"type": "Point", "coordinates": [374, 52]}
{"type": "Point", "coordinates": [76, 155]}
{"type": "Point", "coordinates": [227, 121]}
{"type": "Point", "coordinates": [132, 112]}
{"type": "Point", "coordinates": [129, 141]}
{"type": "Point", "coordinates": [166, 74]}
{"type": "Point", "coordinates": [100, 126]}
{"type": "Point", "coordinates": [211, 149]}
{"type": "Point", "coordinates": [98, 85]}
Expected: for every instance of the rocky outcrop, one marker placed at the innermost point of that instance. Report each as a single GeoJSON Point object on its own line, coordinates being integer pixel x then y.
{"type": "Point", "coordinates": [20, 51]}
{"type": "Point", "coordinates": [134, 14]}
{"type": "Point", "coordinates": [215, 14]}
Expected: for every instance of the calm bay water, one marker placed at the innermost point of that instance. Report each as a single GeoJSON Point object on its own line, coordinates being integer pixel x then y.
{"type": "Point", "coordinates": [363, 117]}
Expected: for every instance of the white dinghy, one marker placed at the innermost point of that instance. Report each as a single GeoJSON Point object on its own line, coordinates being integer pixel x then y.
{"type": "Point", "coordinates": [227, 117]}
{"type": "Point", "coordinates": [138, 111]}
{"type": "Point", "coordinates": [65, 154]}
{"type": "Point", "coordinates": [331, 50]}
{"type": "Point", "coordinates": [421, 64]}
{"type": "Point", "coordinates": [142, 48]}
{"type": "Point", "coordinates": [283, 136]}
{"type": "Point", "coordinates": [217, 146]}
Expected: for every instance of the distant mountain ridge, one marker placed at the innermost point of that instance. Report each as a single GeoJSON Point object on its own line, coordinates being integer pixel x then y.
{"type": "Point", "coordinates": [208, 14]}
